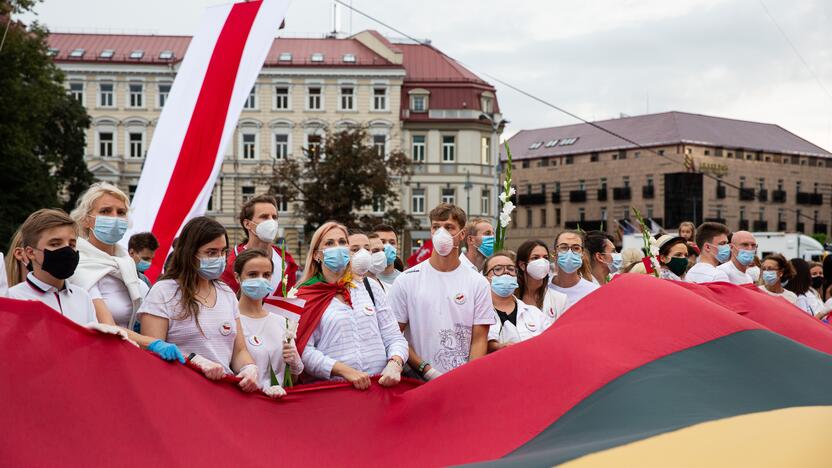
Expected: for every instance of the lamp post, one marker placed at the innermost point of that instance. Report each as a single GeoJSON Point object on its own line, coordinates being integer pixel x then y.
{"type": "Point", "coordinates": [496, 123]}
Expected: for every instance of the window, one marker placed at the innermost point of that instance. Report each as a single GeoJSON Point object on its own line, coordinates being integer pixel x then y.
{"type": "Point", "coordinates": [249, 146]}
{"type": "Point", "coordinates": [603, 213]}
{"type": "Point", "coordinates": [779, 184]}
{"type": "Point", "coordinates": [317, 57]}
{"type": "Point", "coordinates": [593, 157]}
{"type": "Point", "coordinates": [131, 191]}
{"type": "Point", "coordinates": [77, 53]}
{"type": "Point", "coordinates": [136, 94]}
{"type": "Point", "coordinates": [347, 98]}
{"type": "Point", "coordinates": [281, 145]}
{"type": "Point", "coordinates": [378, 205]}
{"type": "Point", "coordinates": [742, 213]}
{"type": "Point", "coordinates": [247, 192]}
{"type": "Point", "coordinates": [582, 214]}
{"type": "Point", "coordinates": [582, 184]}
{"type": "Point", "coordinates": [485, 201]}
{"type": "Point", "coordinates": [136, 140]}
{"type": "Point", "coordinates": [281, 97]}
{"type": "Point", "coordinates": [449, 196]}
{"type": "Point", "coordinates": [418, 148]}
{"type": "Point", "coordinates": [649, 181]}
{"type": "Point", "coordinates": [107, 53]}
{"type": "Point", "coordinates": [164, 90]}
{"type": "Point", "coordinates": [557, 216]}
{"type": "Point", "coordinates": [529, 217]}
{"type": "Point", "coordinates": [626, 181]}
{"type": "Point", "coordinates": [417, 103]}
{"type": "Point", "coordinates": [650, 211]}
{"type": "Point", "coordinates": [380, 98]}
{"type": "Point", "coordinates": [603, 183]}
{"type": "Point", "coordinates": [418, 201]}
{"type": "Point", "coordinates": [742, 182]}
{"type": "Point", "coordinates": [797, 186]}
{"type": "Point", "coordinates": [379, 143]}
{"type": "Point", "coordinates": [105, 94]}
{"type": "Point", "coordinates": [348, 58]}
{"type": "Point", "coordinates": [285, 57]}
{"type": "Point", "coordinates": [282, 203]}
{"type": "Point", "coordinates": [761, 183]}
{"type": "Point", "coordinates": [543, 217]}
{"type": "Point", "coordinates": [105, 144]}
{"type": "Point", "coordinates": [552, 143]}
{"type": "Point", "coordinates": [76, 90]}
{"type": "Point", "coordinates": [137, 54]}
{"type": "Point", "coordinates": [166, 55]}
{"type": "Point", "coordinates": [569, 160]}
{"type": "Point", "coordinates": [313, 145]}
{"type": "Point", "coordinates": [448, 148]}
{"type": "Point", "coordinates": [313, 98]}
{"type": "Point", "coordinates": [487, 104]}
{"type": "Point", "coordinates": [251, 100]}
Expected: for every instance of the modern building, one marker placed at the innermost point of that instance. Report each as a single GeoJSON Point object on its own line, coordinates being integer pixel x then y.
{"type": "Point", "coordinates": [410, 96]}
{"type": "Point", "coordinates": [748, 175]}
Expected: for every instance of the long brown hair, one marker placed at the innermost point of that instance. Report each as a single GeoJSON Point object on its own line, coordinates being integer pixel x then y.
{"type": "Point", "coordinates": [523, 254]}
{"type": "Point", "coordinates": [184, 265]}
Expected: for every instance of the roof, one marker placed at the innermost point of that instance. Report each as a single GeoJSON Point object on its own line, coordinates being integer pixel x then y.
{"type": "Point", "coordinates": [426, 63]}
{"type": "Point", "coordinates": [301, 49]}
{"type": "Point", "coordinates": [661, 129]}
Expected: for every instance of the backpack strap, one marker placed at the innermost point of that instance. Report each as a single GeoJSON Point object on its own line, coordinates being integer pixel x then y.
{"type": "Point", "coordinates": [369, 289]}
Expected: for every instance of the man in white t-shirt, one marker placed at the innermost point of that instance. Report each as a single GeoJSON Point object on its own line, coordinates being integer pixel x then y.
{"type": "Point", "coordinates": [443, 307]}
{"type": "Point", "coordinates": [743, 250]}
{"type": "Point", "coordinates": [712, 240]}
{"type": "Point", "coordinates": [569, 248]}
{"type": "Point", "coordinates": [479, 243]}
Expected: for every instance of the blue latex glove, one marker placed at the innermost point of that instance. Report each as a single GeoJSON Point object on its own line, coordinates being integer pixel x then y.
{"type": "Point", "coordinates": [167, 351]}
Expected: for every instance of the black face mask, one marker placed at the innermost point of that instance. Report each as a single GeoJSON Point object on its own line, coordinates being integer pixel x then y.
{"type": "Point", "coordinates": [60, 263]}
{"type": "Point", "coordinates": [817, 282]}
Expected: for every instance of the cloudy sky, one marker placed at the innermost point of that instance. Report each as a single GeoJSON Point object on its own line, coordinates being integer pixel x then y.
{"type": "Point", "coordinates": [596, 58]}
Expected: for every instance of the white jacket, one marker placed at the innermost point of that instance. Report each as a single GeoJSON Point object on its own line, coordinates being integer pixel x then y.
{"type": "Point", "coordinates": [530, 323]}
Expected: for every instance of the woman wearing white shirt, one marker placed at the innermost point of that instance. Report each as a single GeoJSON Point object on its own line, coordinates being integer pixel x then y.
{"type": "Point", "coordinates": [270, 342]}
{"type": "Point", "coordinates": [533, 270]}
{"type": "Point", "coordinates": [344, 332]}
{"type": "Point", "coordinates": [192, 309]}
{"type": "Point", "coordinates": [801, 286]}
{"type": "Point", "coordinates": [106, 270]}
{"type": "Point", "coordinates": [776, 271]}
{"type": "Point", "coordinates": [572, 268]}
{"type": "Point", "coordinates": [515, 321]}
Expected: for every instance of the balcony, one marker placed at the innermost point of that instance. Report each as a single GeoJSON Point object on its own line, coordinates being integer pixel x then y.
{"type": "Point", "coordinates": [743, 225]}
{"type": "Point", "coordinates": [760, 225]}
{"type": "Point", "coordinates": [778, 196]}
{"type": "Point", "coordinates": [720, 191]}
{"type": "Point", "coordinates": [532, 199]}
{"type": "Point", "coordinates": [555, 197]}
{"type": "Point", "coordinates": [808, 198]}
{"type": "Point", "coordinates": [781, 226]}
{"type": "Point", "coordinates": [820, 228]}
{"type": "Point", "coordinates": [586, 225]}
{"type": "Point", "coordinates": [577, 196]}
{"type": "Point", "coordinates": [602, 194]}
{"type": "Point", "coordinates": [622, 193]}
{"type": "Point", "coordinates": [746, 194]}
{"type": "Point", "coordinates": [762, 195]}
{"type": "Point", "coordinates": [648, 191]}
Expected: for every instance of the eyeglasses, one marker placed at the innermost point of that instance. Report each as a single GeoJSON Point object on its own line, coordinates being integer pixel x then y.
{"type": "Point", "coordinates": [503, 269]}
{"type": "Point", "coordinates": [563, 248]}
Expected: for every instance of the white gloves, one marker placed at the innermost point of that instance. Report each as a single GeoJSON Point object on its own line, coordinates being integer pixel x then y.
{"type": "Point", "coordinates": [432, 374]}
{"type": "Point", "coordinates": [391, 375]}
{"type": "Point", "coordinates": [291, 357]}
{"type": "Point", "coordinates": [211, 369]}
{"type": "Point", "coordinates": [275, 391]}
{"type": "Point", "coordinates": [110, 330]}
{"type": "Point", "coordinates": [248, 374]}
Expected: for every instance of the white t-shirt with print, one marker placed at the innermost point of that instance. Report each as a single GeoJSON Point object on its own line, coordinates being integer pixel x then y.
{"type": "Point", "coordinates": [554, 304]}
{"type": "Point", "coordinates": [441, 309]}
{"type": "Point", "coordinates": [575, 293]}
{"type": "Point", "coordinates": [218, 323]}
{"type": "Point", "coordinates": [264, 340]}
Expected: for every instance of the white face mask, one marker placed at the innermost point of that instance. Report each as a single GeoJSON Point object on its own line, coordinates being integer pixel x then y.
{"type": "Point", "coordinates": [379, 263]}
{"type": "Point", "coordinates": [443, 242]}
{"type": "Point", "coordinates": [267, 230]}
{"type": "Point", "coordinates": [538, 269]}
{"type": "Point", "coordinates": [361, 262]}
{"type": "Point", "coordinates": [754, 273]}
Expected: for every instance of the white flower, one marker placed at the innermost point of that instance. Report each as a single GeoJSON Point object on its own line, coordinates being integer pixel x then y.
{"type": "Point", "coordinates": [292, 294]}
{"type": "Point", "coordinates": [656, 265]}
{"type": "Point", "coordinates": [285, 279]}
{"type": "Point", "coordinates": [504, 219]}
{"type": "Point", "coordinates": [508, 207]}
{"type": "Point", "coordinates": [654, 251]}
{"type": "Point", "coordinates": [504, 197]}
{"type": "Point", "coordinates": [511, 191]}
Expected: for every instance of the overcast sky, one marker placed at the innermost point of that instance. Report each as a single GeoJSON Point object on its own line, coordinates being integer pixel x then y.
{"type": "Point", "coordinates": [597, 58]}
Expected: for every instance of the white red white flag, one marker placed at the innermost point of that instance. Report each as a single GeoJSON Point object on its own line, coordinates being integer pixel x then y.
{"type": "Point", "coordinates": [185, 156]}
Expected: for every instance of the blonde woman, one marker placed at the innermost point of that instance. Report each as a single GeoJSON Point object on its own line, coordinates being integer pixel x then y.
{"type": "Point", "coordinates": [15, 260]}
{"type": "Point", "coordinates": [347, 331]}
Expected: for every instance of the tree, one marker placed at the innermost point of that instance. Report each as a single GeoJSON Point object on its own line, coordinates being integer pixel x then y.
{"type": "Point", "coordinates": [42, 129]}
{"type": "Point", "coordinates": [342, 180]}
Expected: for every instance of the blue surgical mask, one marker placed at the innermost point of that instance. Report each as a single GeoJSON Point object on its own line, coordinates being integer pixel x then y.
{"type": "Point", "coordinates": [109, 229]}
{"type": "Point", "coordinates": [336, 258]}
{"type": "Point", "coordinates": [745, 257]}
{"type": "Point", "coordinates": [617, 261]}
{"type": "Point", "coordinates": [570, 261]}
{"type": "Point", "coordinates": [487, 246]}
{"type": "Point", "coordinates": [723, 253]}
{"type": "Point", "coordinates": [769, 277]}
{"type": "Point", "coordinates": [211, 268]}
{"type": "Point", "coordinates": [256, 288]}
{"type": "Point", "coordinates": [142, 266]}
{"type": "Point", "coordinates": [390, 253]}
{"type": "Point", "coordinates": [503, 285]}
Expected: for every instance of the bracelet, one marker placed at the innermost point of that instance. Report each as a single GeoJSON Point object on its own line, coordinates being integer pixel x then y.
{"type": "Point", "coordinates": [191, 356]}
{"type": "Point", "coordinates": [421, 368]}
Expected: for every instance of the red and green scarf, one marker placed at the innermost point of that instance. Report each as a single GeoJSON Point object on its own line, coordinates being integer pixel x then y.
{"type": "Point", "coordinates": [318, 294]}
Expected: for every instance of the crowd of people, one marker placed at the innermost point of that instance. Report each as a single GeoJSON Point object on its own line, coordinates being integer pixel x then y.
{"type": "Point", "coordinates": [365, 315]}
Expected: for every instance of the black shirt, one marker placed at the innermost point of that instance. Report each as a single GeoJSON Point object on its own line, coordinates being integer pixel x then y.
{"type": "Point", "coordinates": [512, 317]}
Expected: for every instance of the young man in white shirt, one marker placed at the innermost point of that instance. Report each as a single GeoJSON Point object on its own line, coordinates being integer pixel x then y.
{"type": "Point", "coordinates": [569, 248]}
{"type": "Point", "coordinates": [714, 250]}
{"type": "Point", "coordinates": [391, 251]}
{"type": "Point", "coordinates": [479, 243]}
{"type": "Point", "coordinates": [743, 251]}
{"type": "Point", "coordinates": [443, 307]}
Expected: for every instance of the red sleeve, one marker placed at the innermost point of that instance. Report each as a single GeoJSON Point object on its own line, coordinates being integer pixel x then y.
{"type": "Point", "coordinates": [227, 276]}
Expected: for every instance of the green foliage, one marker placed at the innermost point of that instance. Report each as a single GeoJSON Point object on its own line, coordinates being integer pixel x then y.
{"type": "Point", "coordinates": [41, 132]}
{"type": "Point", "coordinates": [820, 237]}
{"type": "Point", "coordinates": [344, 180]}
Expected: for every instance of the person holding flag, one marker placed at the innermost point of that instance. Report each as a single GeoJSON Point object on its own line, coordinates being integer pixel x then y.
{"type": "Point", "coordinates": [346, 331]}
{"type": "Point", "coordinates": [258, 218]}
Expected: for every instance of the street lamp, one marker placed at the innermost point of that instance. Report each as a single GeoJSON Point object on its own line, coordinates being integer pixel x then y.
{"type": "Point", "coordinates": [496, 123]}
